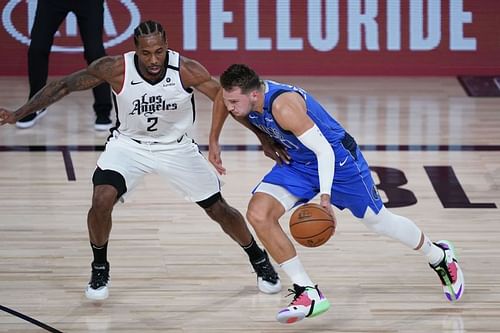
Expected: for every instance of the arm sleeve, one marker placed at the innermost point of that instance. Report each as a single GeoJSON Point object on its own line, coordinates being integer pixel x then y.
{"type": "Point", "coordinates": [315, 140]}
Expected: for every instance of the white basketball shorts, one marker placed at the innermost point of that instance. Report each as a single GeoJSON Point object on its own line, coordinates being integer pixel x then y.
{"type": "Point", "coordinates": [180, 163]}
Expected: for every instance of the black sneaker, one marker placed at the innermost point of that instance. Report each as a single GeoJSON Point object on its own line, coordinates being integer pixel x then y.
{"type": "Point", "coordinates": [103, 123]}
{"type": "Point", "coordinates": [268, 280]}
{"type": "Point", "coordinates": [30, 120]}
{"type": "Point", "coordinates": [97, 289]}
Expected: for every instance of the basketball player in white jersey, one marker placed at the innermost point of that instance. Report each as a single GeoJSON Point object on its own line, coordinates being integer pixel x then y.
{"type": "Point", "coordinates": [153, 93]}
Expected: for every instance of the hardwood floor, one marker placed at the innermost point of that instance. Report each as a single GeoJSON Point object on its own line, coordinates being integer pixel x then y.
{"type": "Point", "coordinates": [173, 270]}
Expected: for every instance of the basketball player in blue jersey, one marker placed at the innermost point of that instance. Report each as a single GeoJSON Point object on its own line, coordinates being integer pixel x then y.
{"type": "Point", "coordinates": [153, 93]}
{"type": "Point", "coordinates": [321, 157]}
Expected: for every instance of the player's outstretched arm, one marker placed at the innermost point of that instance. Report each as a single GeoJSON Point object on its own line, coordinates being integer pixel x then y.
{"type": "Point", "coordinates": [49, 94]}
{"type": "Point", "coordinates": [194, 74]}
{"type": "Point", "coordinates": [101, 70]}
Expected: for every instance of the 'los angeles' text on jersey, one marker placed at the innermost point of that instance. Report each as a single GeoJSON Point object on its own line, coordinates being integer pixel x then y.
{"type": "Point", "coordinates": [148, 105]}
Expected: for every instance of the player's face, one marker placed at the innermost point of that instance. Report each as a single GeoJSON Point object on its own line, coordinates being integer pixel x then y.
{"type": "Point", "coordinates": [152, 52]}
{"type": "Point", "coordinates": [239, 104]}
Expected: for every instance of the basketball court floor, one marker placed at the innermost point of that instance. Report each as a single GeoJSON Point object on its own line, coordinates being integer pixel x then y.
{"type": "Point", "coordinates": [434, 151]}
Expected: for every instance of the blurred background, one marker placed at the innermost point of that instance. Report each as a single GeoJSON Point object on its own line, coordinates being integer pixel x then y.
{"type": "Point", "coordinates": [286, 37]}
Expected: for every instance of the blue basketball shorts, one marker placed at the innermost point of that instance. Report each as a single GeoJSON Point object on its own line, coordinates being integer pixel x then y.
{"type": "Point", "coordinates": [353, 187]}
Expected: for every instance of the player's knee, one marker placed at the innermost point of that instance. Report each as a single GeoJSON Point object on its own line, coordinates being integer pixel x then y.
{"type": "Point", "coordinates": [375, 221]}
{"type": "Point", "coordinates": [213, 206]}
{"type": "Point", "coordinates": [211, 202]}
{"type": "Point", "coordinates": [256, 217]}
{"type": "Point", "coordinates": [384, 222]}
{"type": "Point", "coordinates": [394, 226]}
{"type": "Point", "coordinates": [109, 186]}
{"type": "Point", "coordinates": [103, 199]}
{"type": "Point", "coordinates": [110, 177]}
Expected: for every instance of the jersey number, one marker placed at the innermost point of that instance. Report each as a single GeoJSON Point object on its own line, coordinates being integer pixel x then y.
{"type": "Point", "coordinates": [153, 121]}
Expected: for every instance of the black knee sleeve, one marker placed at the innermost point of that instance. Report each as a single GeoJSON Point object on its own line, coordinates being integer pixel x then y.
{"type": "Point", "coordinates": [209, 201]}
{"type": "Point", "coordinates": [110, 177]}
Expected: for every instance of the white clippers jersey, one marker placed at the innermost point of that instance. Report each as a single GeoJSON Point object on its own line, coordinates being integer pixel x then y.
{"type": "Point", "coordinates": [160, 112]}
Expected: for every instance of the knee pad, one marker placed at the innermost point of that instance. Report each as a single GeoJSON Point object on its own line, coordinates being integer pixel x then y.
{"type": "Point", "coordinates": [394, 226]}
{"type": "Point", "coordinates": [207, 203]}
{"type": "Point", "coordinates": [110, 177]}
{"type": "Point", "coordinates": [375, 221]}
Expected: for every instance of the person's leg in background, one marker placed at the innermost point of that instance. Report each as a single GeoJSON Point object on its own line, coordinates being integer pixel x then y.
{"type": "Point", "coordinates": [49, 16]}
{"type": "Point", "coordinates": [90, 18]}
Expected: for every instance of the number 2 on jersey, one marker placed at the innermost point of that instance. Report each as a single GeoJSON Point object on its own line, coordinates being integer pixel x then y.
{"type": "Point", "coordinates": [153, 121]}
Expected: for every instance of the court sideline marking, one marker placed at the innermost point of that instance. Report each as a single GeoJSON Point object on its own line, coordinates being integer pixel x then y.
{"type": "Point", "coordinates": [29, 319]}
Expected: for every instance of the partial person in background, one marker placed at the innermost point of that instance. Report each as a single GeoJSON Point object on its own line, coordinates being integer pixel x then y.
{"type": "Point", "coordinates": [49, 16]}
{"type": "Point", "coordinates": [320, 158]}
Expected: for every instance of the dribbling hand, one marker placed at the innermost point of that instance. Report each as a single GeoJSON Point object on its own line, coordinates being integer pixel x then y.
{"type": "Point", "coordinates": [325, 203]}
{"type": "Point", "coordinates": [7, 117]}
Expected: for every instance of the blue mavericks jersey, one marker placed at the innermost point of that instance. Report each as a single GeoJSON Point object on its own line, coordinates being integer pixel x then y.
{"type": "Point", "coordinates": [330, 128]}
{"type": "Point", "coordinates": [352, 187]}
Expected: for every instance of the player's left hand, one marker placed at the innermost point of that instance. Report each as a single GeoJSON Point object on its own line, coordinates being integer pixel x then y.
{"type": "Point", "coordinates": [274, 151]}
{"type": "Point", "coordinates": [7, 117]}
{"type": "Point", "coordinates": [214, 157]}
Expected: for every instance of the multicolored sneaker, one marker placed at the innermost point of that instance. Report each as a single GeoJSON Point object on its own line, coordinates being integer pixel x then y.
{"type": "Point", "coordinates": [268, 280]}
{"type": "Point", "coordinates": [97, 289]}
{"type": "Point", "coordinates": [307, 302]}
{"type": "Point", "coordinates": [450, 272]}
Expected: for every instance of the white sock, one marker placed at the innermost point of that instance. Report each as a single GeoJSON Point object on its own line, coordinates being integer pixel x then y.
{"type": "Point", "coordinates": [433, 252]}
{"type": "Point", "coordinates": [296, 272]}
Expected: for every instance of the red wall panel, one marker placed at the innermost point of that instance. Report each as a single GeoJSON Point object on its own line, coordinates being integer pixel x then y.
{"type": "Point", "coordinates": [280, 37]}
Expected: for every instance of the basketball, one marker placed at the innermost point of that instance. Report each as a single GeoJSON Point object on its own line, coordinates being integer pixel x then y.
{"type": "Point", "coordinates": [311, 225]}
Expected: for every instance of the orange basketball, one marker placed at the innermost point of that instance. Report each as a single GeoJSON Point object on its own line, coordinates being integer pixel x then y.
{"type": "Point", "coordinates": [311, 225]}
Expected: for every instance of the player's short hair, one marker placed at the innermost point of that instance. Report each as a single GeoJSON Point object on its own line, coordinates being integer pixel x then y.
{"type": "Point", "coordinates": [148, 28]}
{"type": "Point", "coordinates": [240, 75]}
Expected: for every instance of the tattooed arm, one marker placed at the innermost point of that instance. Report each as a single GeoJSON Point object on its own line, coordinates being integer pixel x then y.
{"type": "Point", "coordinates": [106, 69]}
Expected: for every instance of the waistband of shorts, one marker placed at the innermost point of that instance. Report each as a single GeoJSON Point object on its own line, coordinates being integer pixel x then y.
{"type": "Point", "coordinates": [116, 133]}
{"type": "Point", "coordinates": [142, 142]}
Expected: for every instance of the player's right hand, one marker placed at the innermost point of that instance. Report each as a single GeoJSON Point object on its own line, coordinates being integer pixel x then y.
{"type": "Point", "coordinates": [7, 117]}
{"type": "Point", "coordinates": [215, 159]}
{"type": "Point", "coordinates": [325, 202]}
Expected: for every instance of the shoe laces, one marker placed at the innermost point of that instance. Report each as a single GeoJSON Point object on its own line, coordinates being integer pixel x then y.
{"type": "Point", "coordinates": [265, 270]}
{"type": "Point", "coordinates": [100, 275]}
{"type": "Point", "coordinates": [298, 292]}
